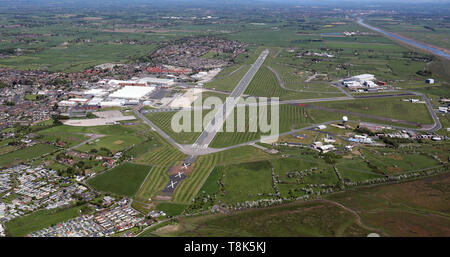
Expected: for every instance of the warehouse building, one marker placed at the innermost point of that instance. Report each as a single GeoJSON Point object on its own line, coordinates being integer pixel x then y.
{"type": "Point", "coordinates": [132, 92]}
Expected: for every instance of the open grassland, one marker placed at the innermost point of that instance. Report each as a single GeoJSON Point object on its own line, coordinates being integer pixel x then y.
{"type": "Point", "coordinates": [70, 139]}
{"type": "Point", "coordinates": [385, 209]}
{"type": "Point", "coordinates": [117, 137]}
{"type": "Point", "coordinates": [390, 107]}
{"type": "Point", "coordinates": [35, 221]}
{"type": "Point", "coordinates": [114, 143]}
{"type": "Point", "coordinates": [227, 81]}
{"type": "Point", "coordinates": [290, 117]}
{"type": "Point", "coordinates": [162, 158]}
{"type": "Point", "coordinates": [415, 208]}
{"type": "Point", "coordinates": [244, 182]}
{"type": "Point", "coordinates": [429, 31]}
{"type": "Point", "coordinates": [25, 154]}
{"type": "Point", "coordinates": [206, 94]}
{"type": "Point", "coordinates": [241, 155]}
{"type": "Point", "coordinates": [294, 220]}
{"type": "Point", "coordinates": [189, 187]}
{"type": "Point", "coordinates": [204, 166]}
{"type": "Point", "coordinates": [163, 155]}
{"type": "Point", "coordinates": [356, 170]}
{"type": "Point", "coordinates": [164, 121]}
{"type": "Point", "coordinates": [171, 209]}
{"type": "Point", "coordinates": [265, 84]}
{"type": "Point", "coordinates": [393, 162]}
{"type": "Point", "coordinates": [142, 148]}
{"type": "Point", "coordinates": [123, 180]}
{"type": "Point", "coordinates": [154, 183]}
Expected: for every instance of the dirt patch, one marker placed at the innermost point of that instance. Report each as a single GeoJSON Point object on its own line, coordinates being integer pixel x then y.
{"type": "Point", "coordinates": [356, 152]}
{"type": "Point", "coordinates": [118, 142]}
{"type": "Point", "coordinates": [395, 157]}
{"type": "Point", "coordinates": [163, 197]}
{"type": "Point", "coordinates": [168, 229]}
{"type": "Point", "coordinates": [394, 169]}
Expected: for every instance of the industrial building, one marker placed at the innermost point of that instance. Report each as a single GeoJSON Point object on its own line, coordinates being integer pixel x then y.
{"type": "Point", "coordinates": [132, 92]}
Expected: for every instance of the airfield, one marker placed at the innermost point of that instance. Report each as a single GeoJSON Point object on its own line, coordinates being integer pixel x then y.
{"type": "Point", "coordinates": [240, 178]}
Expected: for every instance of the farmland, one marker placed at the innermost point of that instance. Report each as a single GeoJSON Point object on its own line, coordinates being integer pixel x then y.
{"type": "Point", "coordinates": [41, 219]}
{"type": "Point", "coordinates": [123, 180]}
{"type": "Point", "coordinates": [25, 154]}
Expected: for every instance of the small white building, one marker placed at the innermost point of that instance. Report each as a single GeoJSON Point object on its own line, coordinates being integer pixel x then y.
{"type": "Point", "coordinates": [429, 81]}
{"type": "Point", "coordinates": [326, 148]}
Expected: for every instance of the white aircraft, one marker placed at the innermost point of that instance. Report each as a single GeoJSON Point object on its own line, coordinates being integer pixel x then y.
{"type": "Point", "coordinates": [172, 184]}
{"type": "Point", "coordinates": [185, 166]}
{"type": "Point", "coordinates": [178, 175]}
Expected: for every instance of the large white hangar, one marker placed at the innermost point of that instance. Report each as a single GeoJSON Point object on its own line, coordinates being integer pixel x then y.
{"type": "Point", "coordinates": [132, 92]}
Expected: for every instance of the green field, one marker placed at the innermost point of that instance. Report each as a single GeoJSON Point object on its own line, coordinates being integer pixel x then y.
{"type": "Point", "coordinates": [123, 180]}
{"type": "Point", "coordinates": [397, 162]}
{"type": "Point", "coordinates": [171, 209]}
{"type": "Point", "coordinates": [243, 182]}
{"type": "Point", "coordinates": [38, 220]}
{"type": "Point", "coordinates": [265, 84]}
{"type": "Point", "coordinates": [115, 143]}
{"type": "Point", "coordinates": [390, 107]}
{"type": "Point", "coordinates": [290, 117]}
{"type": "Point", "coordinates": [162, 158]}
{"type": "Point", "coordinates": [25, 154]}
{"type": "Point", "coordinates": [188, 188]}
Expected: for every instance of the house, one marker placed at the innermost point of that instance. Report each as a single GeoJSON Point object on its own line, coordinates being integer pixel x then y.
{"type": "Point", "coordinates": [429, 81]}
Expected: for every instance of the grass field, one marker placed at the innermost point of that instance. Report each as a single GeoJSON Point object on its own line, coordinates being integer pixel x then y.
{"type": "Point", "coordinates": [290, 117]}
{"type": "Point", "coordinates": [115, 143]}
{"type": "Point", "coordinates": [293, 220]}
{"type": "Point", "coordinates": [243, 182]}
{"type": "Point", "coordinates": [428, 31]}
{"type": "Point", "coordinates": [189, 187]}
{"type": "Point", "coordinates": [356, 170]}
{"type": "Point", "coordinates": [415, 208]}
{"type": "Point", "coordinates": [266, 84]}
{"type": "Point", "coordinates": [397, 162]}
{"type": "Point", "coordinates": [391, 107]}
{"type": "Point", "coordinates": [163, 121]}
{"type": "Point", "coordinates": [25, 154]}
{"type": "Point", "coordinates": [35, 221]}
{"type": "Point", "coordinates": [290, 186]}
{"type": "Point", "coordinates": [227, 82]}
{"type": "Point", "coordinates": [142, 148]}
{"type": "Point", "coordinates": [162, 158]}
{"type": "Point", "coordinates": [123, 180]}
{"type": "Point", "coordinates": [171, 209]}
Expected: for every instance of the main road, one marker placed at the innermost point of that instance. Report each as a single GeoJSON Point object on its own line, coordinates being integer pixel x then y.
{"type": "Point", "coordinates": [223, 111]}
